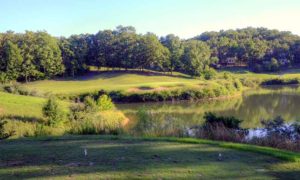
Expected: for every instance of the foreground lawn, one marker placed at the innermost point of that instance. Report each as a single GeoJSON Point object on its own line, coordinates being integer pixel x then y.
{"type": "Point", "coordinates": [109, 158]}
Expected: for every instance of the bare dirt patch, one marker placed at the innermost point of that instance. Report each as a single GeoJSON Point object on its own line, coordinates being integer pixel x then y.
{"type": "Point", "coordinates": [161, 89]}
{"type": "Point", "coordinates": [143, 89]}
{"type": "Point", "coordinates": [125, 122]}
{"type": "Point", "coordinates": [140, 89]}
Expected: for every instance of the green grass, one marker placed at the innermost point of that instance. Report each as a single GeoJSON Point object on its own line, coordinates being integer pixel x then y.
{"type": "Point", "coordinates": [110, 81]}
{"type": "Point", "coordinates": [137, 81]}
{"type": "Point", "coordinates": [23, 106]}
{"type": "Point", "coordinates": [281, 154]}
{"type": "Point", "coordinates": [292, 73]}
{"type": "Point", "coordinates": [126, 158]}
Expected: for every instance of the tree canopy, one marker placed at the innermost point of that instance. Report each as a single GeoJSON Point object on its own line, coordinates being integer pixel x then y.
{"type": "Point", "coordinates": [37, 55]}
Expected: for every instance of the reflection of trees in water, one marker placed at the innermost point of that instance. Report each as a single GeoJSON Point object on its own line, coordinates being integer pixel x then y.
{"type": "Point", "coordinates": [159, 125]}
{"type": "Point", "coordinates": [169, 117]}
{"type": "Point", "coordinates": [257, 107]}
{"type": "Point", "coordinates": [183, 107]}
{"type": "Point", "coordinates": [172, 118]}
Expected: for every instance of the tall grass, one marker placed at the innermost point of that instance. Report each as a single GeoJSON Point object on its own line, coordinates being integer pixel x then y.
{"type": "Point", "coordinates": [32, 129]}
{"type": "Point", "coordinates": [106, 122]}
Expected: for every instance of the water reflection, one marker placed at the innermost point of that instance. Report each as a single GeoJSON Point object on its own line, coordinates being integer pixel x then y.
{"type": "Point", "coordinates": [169, 118]}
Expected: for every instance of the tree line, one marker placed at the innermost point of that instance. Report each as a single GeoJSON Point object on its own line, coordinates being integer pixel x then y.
{"type": "Point", "coordinates": [37, 55]}
{"type": "Point", "coordinates": [260, 49]}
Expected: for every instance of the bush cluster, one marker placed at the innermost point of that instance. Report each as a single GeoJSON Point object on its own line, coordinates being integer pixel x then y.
{"type": "Point", "coordinates": [88, 117]}
{"type": "Point", "coordinates": [279, 81]}
{"type": "Point", "coordinates": [217, 90]}
{"type": "Point", "coordinates": [95, 117]}
{"type": "Point", "coordinates": [228, 122]}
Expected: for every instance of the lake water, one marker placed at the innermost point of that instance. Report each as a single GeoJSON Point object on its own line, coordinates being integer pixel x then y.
{"type": "Point", "coordinates": [171, 118]}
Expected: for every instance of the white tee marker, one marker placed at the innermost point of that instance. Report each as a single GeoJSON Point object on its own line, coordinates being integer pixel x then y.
{"type": "Point", "coordinates": [85, 152]}
{"type": "Point", "coordinates": [220, 157]}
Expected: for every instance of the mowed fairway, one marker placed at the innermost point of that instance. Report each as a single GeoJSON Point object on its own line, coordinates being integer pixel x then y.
{"type": "Point", "coordinates": [137, 81]}
{"type": "Point", "coordinates": [63, 158]}
{"type": "Point", "coordinates": [109, 81]}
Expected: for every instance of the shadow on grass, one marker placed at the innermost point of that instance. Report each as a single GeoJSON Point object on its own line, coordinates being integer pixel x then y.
{"type": "Point", "coordinates": [130, 159]}
{"type": "Point", "coordinates": [21, 118]}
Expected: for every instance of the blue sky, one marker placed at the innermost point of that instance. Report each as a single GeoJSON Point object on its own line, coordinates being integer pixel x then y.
{"type": "Point", "coordinates": [185, 18]}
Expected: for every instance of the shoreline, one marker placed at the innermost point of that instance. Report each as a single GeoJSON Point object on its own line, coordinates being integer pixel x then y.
{"type": "Point", "coordinates": [219, 92]}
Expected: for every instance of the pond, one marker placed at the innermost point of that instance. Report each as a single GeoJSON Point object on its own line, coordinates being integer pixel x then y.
{"type": "Point", "coordinates": [171, 118]}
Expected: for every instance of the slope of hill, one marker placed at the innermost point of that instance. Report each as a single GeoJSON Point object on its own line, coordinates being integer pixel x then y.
{"type": "Point", "coordinates": [111, 81]}
{"type": "Point", "coordinates": [144, 81]}
{"type": "Point", "coordinates": [23, 106]}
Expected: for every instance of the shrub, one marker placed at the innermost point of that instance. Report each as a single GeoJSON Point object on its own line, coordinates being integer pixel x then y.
{"type": "Point", "coordinates": [3, 134]}
{"type": "Point", "coordinates": [3, 78]}
{"type": "Point", "coordinates": [52, 112]}
{"type": "Point", "coordinates": [237, 84]}
{"type": "Point", "coordinates": [12, 89]}
{"type": "Point", "coordinates": [280, 81]}
{"type": "Point", "coordinates": [221, 88]}
{"type": "Point", "coordinates": [208, 93]}
{"type": "Point", "coordinates": [228, 122]}
{"type": "Point", "coordinates": [221, 128]}
{"type": "Point", "coordinates": [226, 75]}
{"type": "Point", "coordinates": [77, 112]}
{"type": "Point", "coordinates": [90, 105]}
{"type": "Point", "coordinates": [209, 73]}
{"type": "Point", "coordinates": [274, 64]}
{"type": "Point", "coordinates": [275, 133]}
{"type": "Point", "coordinates": [85, 118]}
{"type": "Point", "coordinates": [116, 95]}
{"type": "Point", "coordinates": [219, 91]}
{"type": "Point", "coordinates": [105, 103]}
{"type": "Point", "coordinates": [250, 82]}
{"type": "Point", "coordinates": [220, 132]}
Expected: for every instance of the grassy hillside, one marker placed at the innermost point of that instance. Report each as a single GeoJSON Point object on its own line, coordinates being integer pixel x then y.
{"type": "Point", "coordinates": [24, 106]}
{"type": "Point", "coordinates": [111, 81]}
{"type": "Point", "coordinates": [109, 158]}
{"type": "Point", "coordinates": [140, 82]}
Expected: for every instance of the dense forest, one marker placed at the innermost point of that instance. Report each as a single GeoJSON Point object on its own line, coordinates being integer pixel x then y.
{"type": "Point", "coordinates": [37, 55]}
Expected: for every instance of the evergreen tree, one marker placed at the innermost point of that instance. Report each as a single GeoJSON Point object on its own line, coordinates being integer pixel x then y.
{"type": "Point", "coordinates": [105, 103]}
{"type": "Point", "coordinates": [52, 112]}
